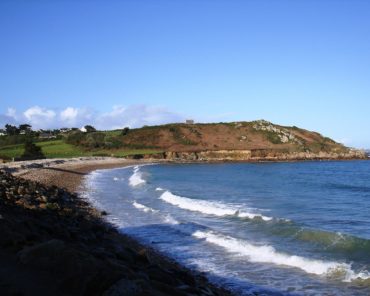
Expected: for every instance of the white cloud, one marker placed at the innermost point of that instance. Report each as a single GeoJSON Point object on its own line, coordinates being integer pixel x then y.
{"type": "Point", "coordinates": [8, 118]}
{"type": "Point", "coordinates": [39, 117]}
{"type": "Point", "coordinates": [11, 112]}
{"type": "Point", "coordinates": [38, 112]}
{"type": "Point", "coordinates": [136, 116]}
{"type": "Point", "coordinates": [119, 117]}
{"type": "Point", "coordinates": [75, 116]}
{"type": "Point", "coordinates": [69, 114]}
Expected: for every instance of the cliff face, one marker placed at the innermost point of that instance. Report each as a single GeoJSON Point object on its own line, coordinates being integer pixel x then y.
{"type": "Point", "coordinates": [254, 155]}
{"type": "Point", "coordinates": [239, 141]}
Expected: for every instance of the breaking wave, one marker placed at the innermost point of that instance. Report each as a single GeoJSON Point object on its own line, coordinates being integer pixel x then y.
{"type": "Point", "coordinates": [208, 207]}
{"type": "Point", "coordinates": [136, 178]}
{"type": "Point", "coordinates": [268, 254]}
{"type": "Point", "coordinates": [167, 218]}
{"type": "Point", "coordinates": [143, 208]}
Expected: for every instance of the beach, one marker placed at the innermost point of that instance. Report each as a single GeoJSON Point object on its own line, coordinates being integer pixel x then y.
{"type": "Point", "coordinates": [65, 173]}
{"type": "Point", "coordinates": [55, 243]}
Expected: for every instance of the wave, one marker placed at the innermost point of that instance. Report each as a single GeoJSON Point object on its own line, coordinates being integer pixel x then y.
{"type": "Point", "coordinates": [208, 207]}
{"type": "Point", "coordinates": [159, 189]}
{"type": "Point", "coordinates": [267, 254]}
{"type": "Point", "coordinates": [166, 218]}
{"type": "Point", "coordinates": [353, 247]}
{"type": "Point", "coordinates": [349, 187]}
{"type": "Point", "coordinates": [143, 208]}
{"type": "Point", "coordinates": [171, 220]}
{"type": "Point", "coordinates": [136, 178]}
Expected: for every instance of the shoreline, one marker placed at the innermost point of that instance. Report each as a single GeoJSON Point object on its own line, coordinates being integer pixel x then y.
{"type": "Point", "coordinates": [69, 175]}
{"type": "Point", "coordinates": [65, 173]}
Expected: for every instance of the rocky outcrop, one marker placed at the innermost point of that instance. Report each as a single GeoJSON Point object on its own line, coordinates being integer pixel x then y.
{"type": "Point", "coordinates": [284, 135]}
{"type": "Point", "coordinates": [256, 155]}
{"type": "Point", "coordinates": [218, 155]}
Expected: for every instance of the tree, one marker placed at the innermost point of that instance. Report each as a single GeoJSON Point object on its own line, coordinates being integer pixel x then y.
{"type": "Point", "coordinates": [31, 150]}
{"type": "Point", "coordinates": [11, 130]}
{"type": "Point", "coordinates": [89, 128]}
{"type": "Point", "coordinates": [125, 131]}
{"type": "Point", "coordinates": [25, 127]}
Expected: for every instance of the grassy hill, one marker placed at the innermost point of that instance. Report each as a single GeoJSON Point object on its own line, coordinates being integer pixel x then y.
{"type": "Point", "coordinates": [254, 136]}
{"type": "Point", "coordinates": [60, 149]}
{"type": "Point", "coordinates": [229, 136]}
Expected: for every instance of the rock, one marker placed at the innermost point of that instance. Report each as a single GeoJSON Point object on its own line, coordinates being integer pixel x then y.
{"type": "Point", "coordinates": [42, 255]}
{"type": "Point", "coordinates": [77, 272]}
{"type": "Point", "coordinates": [9, 237]}
{"type": "Point", "coordinates": [124, 287]}
{"type": "Point", "coordinates": [160, 275]}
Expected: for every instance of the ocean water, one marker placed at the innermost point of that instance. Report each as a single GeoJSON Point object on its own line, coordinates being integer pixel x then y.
{"type": "Point", "coordinates": [300, 228]}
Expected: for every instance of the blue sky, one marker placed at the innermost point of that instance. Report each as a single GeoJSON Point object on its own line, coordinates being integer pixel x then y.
{"type": "Point", "coordinates": [117, 63]}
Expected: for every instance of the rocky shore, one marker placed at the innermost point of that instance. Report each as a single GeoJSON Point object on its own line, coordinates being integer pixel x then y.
{"type": "Point", "coordinates": [254, 155]}
{"type": "Point", "coordinates": [54, 243]}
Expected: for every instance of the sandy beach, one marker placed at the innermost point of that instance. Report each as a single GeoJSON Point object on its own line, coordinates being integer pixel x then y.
{"type": "Point", "coordinates": [65, 173]}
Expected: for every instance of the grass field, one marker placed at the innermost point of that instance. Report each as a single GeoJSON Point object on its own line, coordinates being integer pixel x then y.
{"type": "Point", "coordinates": [59, 149]}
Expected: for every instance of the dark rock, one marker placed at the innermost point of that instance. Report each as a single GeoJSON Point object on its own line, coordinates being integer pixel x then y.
{"type": "Point", "coordinates": [124, 287]}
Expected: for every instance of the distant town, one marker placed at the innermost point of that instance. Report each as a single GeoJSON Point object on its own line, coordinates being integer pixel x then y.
{"type": "Point", "coordinates": [26, 129]}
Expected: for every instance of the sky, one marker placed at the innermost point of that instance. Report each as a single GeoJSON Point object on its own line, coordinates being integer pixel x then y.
{"type": "Point", "coordinates": [132, 63]}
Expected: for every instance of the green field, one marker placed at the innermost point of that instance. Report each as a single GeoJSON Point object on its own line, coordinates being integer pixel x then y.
{"type": "Point", "coordinates": [59, 149]}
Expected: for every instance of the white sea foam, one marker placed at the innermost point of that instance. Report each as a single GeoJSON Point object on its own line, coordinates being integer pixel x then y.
{"type": "Point", "coordinates": [136, 178]}
{"type": "Point", "coordinates": [143, 208]}
{"type": "Point", "coordinates": [169, 219]}
{"type": "Point", "coordinates": [208, 207]}
{"type": "Point", "coordinates": [166, 218]}
{"type": "Point", "coordinates": [267, 254]}
{"type": "Point", "coordinates": [159, 189]}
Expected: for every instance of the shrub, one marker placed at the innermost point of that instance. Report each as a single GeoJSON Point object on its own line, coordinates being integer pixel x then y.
{"type": "Point", "coordinates": [75, 137]}
{"type": "Point", "coordinates": [95, 140]}
{"type": "Point", "coordinates": [90, 128]}
{"type": "Point", "coordinates": [272, 137]}
{"type": "Point", "coordinates": [125, 131]}
{"type": "Point", "coordinates": [112, 142]}
{"type": "Point", "coordinates": [31, 150]}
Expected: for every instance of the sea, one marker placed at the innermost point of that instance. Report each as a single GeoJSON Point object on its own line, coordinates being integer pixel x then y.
{"type": "Point", "coordinates": [294, 228]}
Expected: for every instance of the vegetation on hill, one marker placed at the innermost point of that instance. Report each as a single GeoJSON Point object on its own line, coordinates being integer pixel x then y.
{"type": "Point", "coordinates": [229, 136]}
{"type": "Point", "coordinates": [31, 150]}
{"type": "Point", "coordinates": [60, 149]}
{"type": "Point", "coordinates": [254, 135]}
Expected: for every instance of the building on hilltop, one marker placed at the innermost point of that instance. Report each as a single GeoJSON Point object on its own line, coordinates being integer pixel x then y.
{"type": "Point", "coordinates": [189, 121]}
{"type": "Point", "coordinates": [64, 130]}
